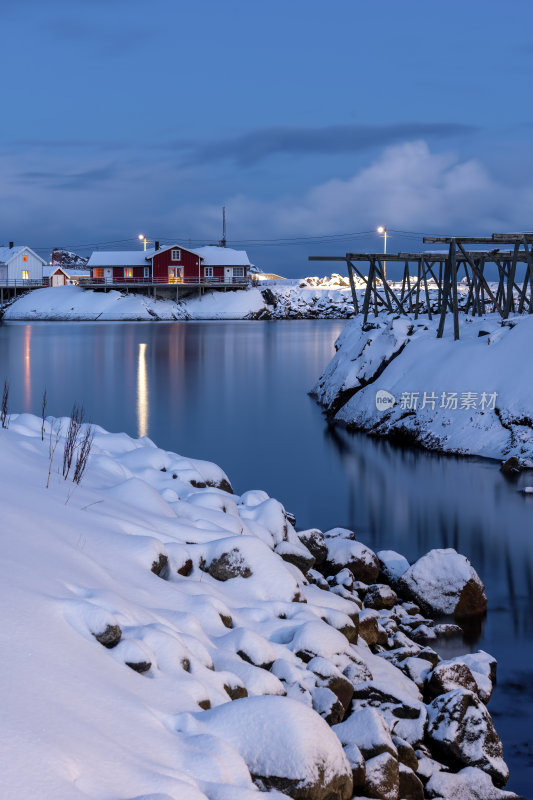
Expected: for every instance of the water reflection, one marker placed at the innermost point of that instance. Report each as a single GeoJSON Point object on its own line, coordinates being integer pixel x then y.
{"type": "Point", "coordinates": [236, 393]}
{"type": "Point", "coordinates": [142, 392]}
{"type": "Point", "coordinates": [27, 368]}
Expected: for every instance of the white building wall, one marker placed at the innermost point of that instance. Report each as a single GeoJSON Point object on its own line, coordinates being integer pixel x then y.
{"type": "Point", "coordinates": [32, 265]}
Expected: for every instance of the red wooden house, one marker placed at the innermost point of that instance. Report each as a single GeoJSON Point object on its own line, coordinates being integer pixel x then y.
{"type": "Point", "coordinates": [173, 264]}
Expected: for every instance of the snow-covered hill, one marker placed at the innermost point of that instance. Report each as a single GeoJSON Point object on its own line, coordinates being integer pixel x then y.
{"type": "Point", "coordinates": [394, 378]}
{"type": "Point", "coordinates": [165, 639]}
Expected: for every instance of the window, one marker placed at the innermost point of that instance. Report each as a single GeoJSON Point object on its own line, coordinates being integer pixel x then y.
{"type": "Point", "coordinates": [175, 255]}
{"type": "Point", "coordinates": [128, 272]}
{"type": "Point", "coordinates": [147, 272]}
{"type": "Point", "coordinates": [238, 272]}
{"type": "Point", "coordinates": [25, 274]}
{"type": "Point", "coordinates": [208, 272]}
{"type": "Point", "coordinates": [25, 258]}
{"type": "Point", "coordinates": [98, 272]}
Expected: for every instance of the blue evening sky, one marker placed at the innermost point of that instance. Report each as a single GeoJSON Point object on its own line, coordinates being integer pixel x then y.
{"type": "Point", "coordinates": [305, 118]}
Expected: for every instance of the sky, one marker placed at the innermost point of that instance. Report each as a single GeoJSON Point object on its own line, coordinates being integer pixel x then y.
{"type": "Point", "coordinates": [312, 122]}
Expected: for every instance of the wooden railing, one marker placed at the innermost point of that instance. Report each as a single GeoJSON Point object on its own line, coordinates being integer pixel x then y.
{"type": "Point", "coordinates": [24, 283]}
{"type": "Point", "coordinates": [200, 280]}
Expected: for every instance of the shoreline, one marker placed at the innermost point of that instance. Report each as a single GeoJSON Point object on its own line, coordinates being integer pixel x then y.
{"type": "Point", "coordinates": [309, 630]}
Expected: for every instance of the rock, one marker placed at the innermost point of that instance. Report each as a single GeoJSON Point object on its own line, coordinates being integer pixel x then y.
{"type": "Point", "coordinates": [380, 596]}
{"type": "Point", "coordinates": [286, 746]}
{"type": "Point", "coordinates": [368, 730]}
{"type": "Point", "coordinates": [417, 669]}
{"type": "Point", "coordinates": [468, 784]}
{"type": "Point", "coordinates": [139, 666]}
{"type": "Point", "coordinates": [235, 691]}
{"type": "Point", "coordinates": [357, 763]}
{"type": "Point", "coordinates": [447, 630]}
{"type": "Point", "coordinates": [410, 786]}
{"type": "Point", "coordinates": [483, 667]}
{"type": "Point", "coordinates": [110, 637]}
{"type": "Point", "coordinates": [511, 467]}
{"type": "Point", "coordinates": [393, 566]}
{"type": "Point", "coordinates": [444, 582]}
{"type": "Point", "coordinates": [160, 566]}
{"type": "Point", "coordinates": [205, 705]}
{"type": "Point", "coordinates": [185, 568]}
{"type": "Point", "coordinates": [360, 560]}
{"type": "Point", "coordinates": [447, 676]}
{"type": "Point", "coordinates": [368, 627]}
{"type": "Point", "coordinates": [227, 621]}
{"type": "Point", "coordinates": [315, 577]}
{"type": "Point", "coordinates": [227, 566]}
{"type": "Point", "coordinates": [296, 554]}
{"type": "Point", "coordinates": [460, 732]}
{"type": "Point", "coordinates": [403, 713]}
{"type": "Point", "coordinates": [423, 634]}
{"type": "Point", "coordinates": [406, 754]}
{"type": "Point", "coordinates": [382, 778]}
{"type": "Point", "coordinates": [313, 539]}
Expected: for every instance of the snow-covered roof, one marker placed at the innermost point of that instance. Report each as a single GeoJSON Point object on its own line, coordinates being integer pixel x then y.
{"type": "Point", "coordinates": [120, 258]}
{"type": "Point", "coordinates": [222, 256]}
{"type": "Point", "coordinates": [70, 272]}
{"type": "Point", "coordinates": [7, 253]}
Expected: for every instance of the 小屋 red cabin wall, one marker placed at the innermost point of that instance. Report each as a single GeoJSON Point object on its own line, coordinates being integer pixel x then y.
{"type": "Point", "coordinates": [188, 261]}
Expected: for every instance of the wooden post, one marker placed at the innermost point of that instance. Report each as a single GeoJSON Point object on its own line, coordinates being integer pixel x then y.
{"type": "Point", "coordinates": [366, 299]}
{"type": "Point", "coordinates": [352, 285]}
{"type": "Point", "coordinates": [509, 300]}
{"type": "Point", "coordinates": [419, 276]}
{"type": "Point", "coordinates": [453, 265]}
{"type": "Point", "coordinates": [428, 302]}
{"type": "Point", "coordinates": [444, 296]}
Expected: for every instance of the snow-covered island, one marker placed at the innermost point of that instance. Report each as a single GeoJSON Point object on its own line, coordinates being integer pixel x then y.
{"type": "Point", "coordinates": [394, 378]}
{"type": "Point", "coordinates": [167, 639]}
{"type": "Point", "coordinates": [309, 298]}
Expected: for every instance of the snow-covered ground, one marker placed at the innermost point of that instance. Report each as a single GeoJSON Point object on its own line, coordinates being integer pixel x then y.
{"type": "Point", "coordinates": [329, 299]}
{"type": "Point", "coordinates": [474, 396]}
{"type": "Point", "coordinates": [165, 639]}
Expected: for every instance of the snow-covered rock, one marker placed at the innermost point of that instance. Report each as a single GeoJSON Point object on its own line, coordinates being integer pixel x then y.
{"type": "Point", "coordinates": [445, 582]}
{"type": "Point", "coordinates": [461, 731]}
{"type": "Point", "coordinates": [469, 783]}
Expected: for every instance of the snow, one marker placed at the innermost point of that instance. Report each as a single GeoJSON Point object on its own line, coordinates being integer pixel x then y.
{"type": "Point", "coordinates": [438, 578]}
{"type": "Point", "coordinates": [222, 256]}
{"type": "Point", "coordinates": [76, 303]}
{"type": "Point", "coordinates": [401, 359]}
{"type": "Point", "coordinates": [120, 258]}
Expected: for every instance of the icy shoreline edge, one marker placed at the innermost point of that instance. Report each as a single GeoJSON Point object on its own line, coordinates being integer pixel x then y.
{"type": "Point", "coordinates": [294, 662]}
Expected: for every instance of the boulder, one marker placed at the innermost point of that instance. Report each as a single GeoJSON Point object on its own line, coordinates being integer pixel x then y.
{"type": "Point", "coordinates": [382, 778]}
{"type": "Point", "coordinates": [461, 733]}
{"type": "Point", "coordinates": [228, 565]}
{"type": "Point", "coordinates": [297, 554]}
{"type": "Point", "coordinates": [511, 467]}
{"type": "Point", "coordinates": [359, 559]}
{"type": "Point", "coordinates": [445, 582]}
{"type": "Point", "coordinates": [410, 786]}
{"type": "Point", "coordinates": [357, 763]}
{"type": "Point", "coordinates": [468, 784]}
{"type": "Point", "coordinates": [393, 566]}
{"type": "Point", "coordinates": [368, 627]}
{"type": "Point", "coordinates": [380, 596]}
{"type": "Point", "coordinates": [109, 637]}
{"type": "Point", "coordinates": [368, 730]}
{"type": "Point", "coordinates": [406, 754]}
{"type": "Point", "coordinates": [285, 744]}
{"type": "Point", "coordinates": [447, 676]}
{"type": "Point", "coordinates": [402, 711]}
{"type": "Point", "coordinates": [313, 539]}
{"type": "Point", "coordinates": [160, 566]}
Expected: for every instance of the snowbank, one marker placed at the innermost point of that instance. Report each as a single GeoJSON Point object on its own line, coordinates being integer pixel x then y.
{"type": "Point", "coordinates": [157, 645]}
{"type": "Point", "coordinates": [395, 378]}
{"type": "Point", "coordinates": [275, 302]}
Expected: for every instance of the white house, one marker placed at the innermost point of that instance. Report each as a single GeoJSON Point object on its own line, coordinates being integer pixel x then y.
{"type": "Point", "coordinates": [224, 262]}
{"type": "Point", "coordinates": [20, 264]}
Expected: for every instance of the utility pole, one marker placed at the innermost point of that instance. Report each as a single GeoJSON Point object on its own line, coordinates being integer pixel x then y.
{"type": "Point", "coordinates": [222, 242]}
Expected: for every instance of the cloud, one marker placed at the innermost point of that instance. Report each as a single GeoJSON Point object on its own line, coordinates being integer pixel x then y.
{"type": "Point", "coordinates": [250, 148]}
{"type": "Point", "coordinates": [408, 187]}
{"type": "Point", "coordinates": [82, 179]}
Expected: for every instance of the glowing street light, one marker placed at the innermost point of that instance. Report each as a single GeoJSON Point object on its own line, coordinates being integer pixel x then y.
{"type": "Point", "coordinates": [382, 230]}
{"type": "Point", "coordinates": [142, 237]}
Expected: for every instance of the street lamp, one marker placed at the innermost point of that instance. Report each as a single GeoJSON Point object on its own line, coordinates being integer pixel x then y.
{"type": "Point", "coordinates": [382, 230]}
{"type": "Point", "coordinates": [142, 237]}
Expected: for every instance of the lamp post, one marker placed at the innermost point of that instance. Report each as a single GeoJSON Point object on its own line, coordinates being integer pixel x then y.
{"type": "Point", "coordinates": [382, 230]}
{"type": "Point", "coordinates": [142, 237]}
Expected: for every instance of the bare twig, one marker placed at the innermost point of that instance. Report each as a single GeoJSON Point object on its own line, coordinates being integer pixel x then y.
{"type": "Point", "coordinates": [52, 449]}
{"type": "Point", "coordinates": [82, 457]}
{"type": "Point", "coordinates": [4, 417]}
{"type": "Point", "coordinates": [71, 439]}
{"type": "Point", "coordinates": [43, 415]}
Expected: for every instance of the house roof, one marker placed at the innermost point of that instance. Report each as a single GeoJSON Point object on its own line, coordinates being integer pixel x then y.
{"type": "Point", "coordinates": [223, 256]}
{"type": "Point", "coordinates": [8, 253]}
{"type": "Point", "coordinates": [70, 272]}
{"type": "Point", "coordinates": [120, 258]}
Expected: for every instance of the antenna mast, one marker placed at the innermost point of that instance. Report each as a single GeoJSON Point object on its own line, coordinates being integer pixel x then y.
{"type": "Point", "coordinates": [222, 242]}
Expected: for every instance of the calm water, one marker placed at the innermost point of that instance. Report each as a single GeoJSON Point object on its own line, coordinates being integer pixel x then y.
{"type": "Point", "coordinates": [236, 393]}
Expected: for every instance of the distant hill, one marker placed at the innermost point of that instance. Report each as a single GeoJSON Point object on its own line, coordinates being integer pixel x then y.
{"type": "Point", "coordinates": [64, 258]}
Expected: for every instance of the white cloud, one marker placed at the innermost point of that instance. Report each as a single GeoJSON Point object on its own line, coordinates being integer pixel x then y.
{"type": "Point", "coordinates": [408, 187]}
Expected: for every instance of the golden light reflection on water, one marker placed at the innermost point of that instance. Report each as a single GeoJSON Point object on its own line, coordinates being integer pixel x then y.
{"type": "Point", "coordinates": [142, 392]}
{"type": "Point", "coordinates": [27, 368]}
